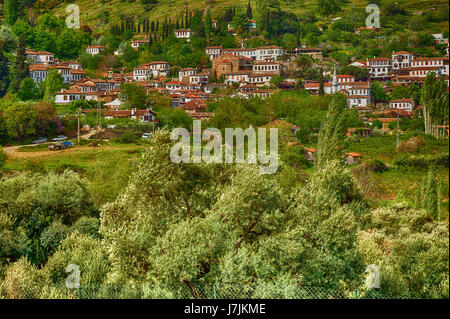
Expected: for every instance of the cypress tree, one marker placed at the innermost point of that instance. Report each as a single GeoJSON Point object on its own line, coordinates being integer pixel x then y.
{"type": "Point", "coordinates": [429, 199]}
{"type": "Point", "coordinates": [268, 23]}
{"type": "Point", "coordinates": [332, 132]}
{"type": "Point", "coordinates": [19, 69]}
{"type": "Point", "coordinates": [4, 72]}
{"type": "Point", "coordinates": [321, 85]}
{"type": "Point", "coordinates": [249, 10]}
{"type": "Point", "coordinates": [208, 26]}
{"type": "Point", "coordinates": [228, 16]}
{"type": "Point", "coordinates": [10, 11]}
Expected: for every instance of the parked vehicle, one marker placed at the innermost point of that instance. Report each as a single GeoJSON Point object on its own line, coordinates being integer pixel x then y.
{"type": "Point", "coordinates": [40, 140]}
{"type": "Point", "coordinates": [59, 138]}
{"type": "Point", "coordinates": [60, 146]}
{"type": "Point", "coordinates": [55, 147]}
{"type": "Point", "coordinates": [146, 135]}
{"type": "Point", "coordinates": [67, 144]}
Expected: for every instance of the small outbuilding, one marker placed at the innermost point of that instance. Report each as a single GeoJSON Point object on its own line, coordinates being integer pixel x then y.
{"type": "Point", "coordinates": [310, 154]}
{"type": "Point", "coordinates": [359, 131]}
{"type": "Point", "coordinates": [353, 158]}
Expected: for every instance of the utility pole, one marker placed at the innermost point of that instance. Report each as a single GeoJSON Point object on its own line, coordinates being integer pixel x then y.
{"type": "Point", "coordinates": [79, 111]}
{"type": "Point", "coordinates": [398, 128]}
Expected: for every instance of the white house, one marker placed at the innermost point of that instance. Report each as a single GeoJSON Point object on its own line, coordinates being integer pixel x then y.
{"type": "Point", "coordinates": [183, 34]}
{"type": "Point", "coordinates": [379, 67]}
{"type": "Point", "coordinates": [313, 87]}
{"type": "Point", "coordinates": [142, 73]}
{"type": "Point", "coordinates": [262, 94]}
{"type": "Point", "coordinates": [77, 75]}
{"type": "Point", "coordinates": [213, 51]}
{"type": "Point", "coordinates": [236, 77]}
{"type": "Point", "coordinates": [186, 72]}
{"type": "Point", "coordinates": [73, 65]}
{"type": "Point", "coordinates": [260, 79]}
{"type": "Point", "coordinates": [40, 57]}
{"type": "Point", "coordinates": [65, 71]}
{"type": "Point", "coordinates": [266, 67]}
{"type": "Point", "coordinates": [359, 94]}
{"type": "Point", "coordinates": [159, 68]}
{"type": "Point", "coordinates": [199, 78]}
{"type": "Point", "coordinates": [95, 49]}
{"type": "Point", "coordinates": [403, 104]}
{"type": "Point", "coordinates": [210, 88]}
{"type": "Point", "coordinates": [136, 44]}
{"type": "Point", "coordinates": [38, 72]}
{"type": "Point", "coordinates": [67, 96]}
{"type": "Point", "coordinates": [144, 116]}
{"type": "Point", "coordinates": [173, 86]}
{"type": "Point", "coordinates": [266, 53]}
{"type": "Point", "coordinates": [420, 67]}
{"type": "Point", "coordinates": [344, 79]}
{"type": "Point", "coordinates": [401, 60]}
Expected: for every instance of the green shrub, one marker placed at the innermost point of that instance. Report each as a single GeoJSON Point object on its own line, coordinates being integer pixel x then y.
{"type": "Point", "coordinates": [128, 138]}
{"type": "Point", "coordinates": [375, 166]}
{"type": "Point", "coordinates": [73, 167]}
{"type": "Point", "coordinates": [34, 166]}
{"type": "Point", "coordinates": [423, 161]}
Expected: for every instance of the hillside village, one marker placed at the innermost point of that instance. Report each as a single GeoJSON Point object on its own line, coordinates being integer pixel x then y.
{"type": "Point", "coordinates": [250, 71]}
{"type": "Point", "coordinates": [88, 177]}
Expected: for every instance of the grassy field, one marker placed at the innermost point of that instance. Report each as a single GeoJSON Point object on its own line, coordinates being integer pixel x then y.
{"type": "Point", "coordinates": [108, 167]}
{"type": "Point", "coordinates": [396, 182]}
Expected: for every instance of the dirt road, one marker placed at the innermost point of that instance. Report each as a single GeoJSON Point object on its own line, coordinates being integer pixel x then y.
{"type": "Point", "coordinates": [12, 151]}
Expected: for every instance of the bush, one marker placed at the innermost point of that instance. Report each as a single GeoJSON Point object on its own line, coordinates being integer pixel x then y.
{"type": "Point", "coordinates": [73, 167]}
{"type": "Point", "coordinates": [3, 157]}
{"type": "Point", "coordinates": [412, 145]}
{"type": "Point", "coordinates": [375, 166]}
{"type": "Point", "coordinates": [128, 138]}
{"type": "Point", "coordinates": [87, 226]}
{"type": "Point", "coordinates": [34, 166]}
{"type": "Point", "coordinates": [423, 161]}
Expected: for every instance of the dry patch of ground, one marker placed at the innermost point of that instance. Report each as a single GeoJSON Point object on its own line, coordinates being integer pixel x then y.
{"type": "Point", "coordinates": [12, 152]}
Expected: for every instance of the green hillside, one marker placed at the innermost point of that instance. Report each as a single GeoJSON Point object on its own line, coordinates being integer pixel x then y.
{"type": "Point", "coordinates": [101, 12]}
